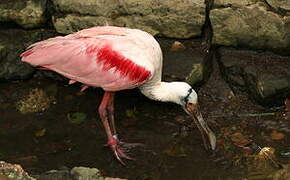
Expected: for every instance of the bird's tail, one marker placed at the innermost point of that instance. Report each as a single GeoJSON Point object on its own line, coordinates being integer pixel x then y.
{"type": "Point", "coordinates": [45, 52]}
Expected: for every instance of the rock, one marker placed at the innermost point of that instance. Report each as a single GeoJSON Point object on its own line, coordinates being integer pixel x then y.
{"type": "Point", "coordinates": [280, 5]}
{"type": "Point", "coordinates": [250, 24]}
{"type": "Point", "coordinates": [12, 43]}
{"type": "Point", "coordinates": [192, 64]}
{"type": "Point", "coordinates": [232, 3]}
{"type": "Point", "coordinates": [13, 172]}
{"type": "Point", "coordinates": [170, 18]}
{"type": "Point", "coordinates": [265, 76]}
{"type": "Point", "coordinates": [73, 22]}
{"type": "Point", "coordinates": [63, 174]}
{"type": "Point", "coordinates": [76, 173]}
{"type": "Point", "coordinates": [83, 173]}
{"type": "Point", "coordinates": [26, 13]}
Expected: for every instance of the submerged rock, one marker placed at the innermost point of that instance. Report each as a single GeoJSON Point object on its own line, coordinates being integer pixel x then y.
{"type": "Point", "coordinates": [13, 172]}
{"type": "Point", "coordinates": [170, 18]}
{"type": "Point", "coordinates": [26, 13]}
{"type": "Point", "coordinates": [76, 117]}
{"type": "Point", "coordinates": [265, 76]}
{"type": "Point", "coordinates": [83, 173]}
{"type": "Point", "coordinates": [55, 174]}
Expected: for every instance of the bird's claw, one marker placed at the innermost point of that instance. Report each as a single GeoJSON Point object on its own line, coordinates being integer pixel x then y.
{"type": "Point", "coordinates": [119, 153]}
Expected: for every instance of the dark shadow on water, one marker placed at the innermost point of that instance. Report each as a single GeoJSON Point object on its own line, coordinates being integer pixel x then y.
{"type": "Point", "coordinates": [165, 156]}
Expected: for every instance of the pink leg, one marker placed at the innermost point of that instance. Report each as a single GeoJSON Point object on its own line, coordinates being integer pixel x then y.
{"type": "Point", "coordinates": [110, 109]}
{"type": "Point", "coordinates": [106, 111]}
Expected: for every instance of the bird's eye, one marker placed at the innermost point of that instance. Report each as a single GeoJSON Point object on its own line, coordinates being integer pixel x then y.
{"type": "Point", "coordinates": [186, 98]}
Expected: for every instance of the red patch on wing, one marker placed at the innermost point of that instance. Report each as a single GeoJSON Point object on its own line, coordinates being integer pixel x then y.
{"type": "Point", "coordinates": [125, 66]}
{"type": "Point", "coordinates": [26, 53]}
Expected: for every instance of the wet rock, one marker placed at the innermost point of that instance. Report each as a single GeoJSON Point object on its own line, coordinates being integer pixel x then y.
{"type": "Point", "coordinates": [192, 64]}
{"type": "Point", "coordinates": [12, 43]}
{"type": "Point", "coordinates": [77, 173]}
{"type": "Point", "coordinates": [13, 172]}
{"type": "Point", "coordinates": [82, 173]}
{"type": "Point", "coordinates": [251, 24]}
{"type": "Point", "coordinates": [26, 13]}
{"type": "Point", "coordinates": [264, 76]}
{"type": "Point", "coordinates": [76, 117]}
{"type": "Point", "coordinates": [170, 18]}
{"type": "Point", "coordinates": [55, 175]}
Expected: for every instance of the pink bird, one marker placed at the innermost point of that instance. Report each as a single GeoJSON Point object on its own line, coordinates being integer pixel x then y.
{"type": "Point", "coordinates": [114, 59]}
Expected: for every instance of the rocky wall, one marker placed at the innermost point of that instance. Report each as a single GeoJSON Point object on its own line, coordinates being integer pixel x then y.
{"type": "Point", "coordinates": [257, 25]}
{"type": "Point", "coordinates": [252, 24]}
{"type": "Point", "coordinates": [176, 19]}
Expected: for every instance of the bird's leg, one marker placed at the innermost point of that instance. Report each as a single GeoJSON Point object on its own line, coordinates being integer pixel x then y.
{"type": "Point", "coordinates": [106, 114]}
{"type": "Point", "coordinates": [124, 145]}
{"type": "Point", "coordinates": [111, 117]}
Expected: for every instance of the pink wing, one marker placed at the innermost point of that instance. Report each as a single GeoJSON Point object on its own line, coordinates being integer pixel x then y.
{"type": "Point", "coordinates": [90, 57]}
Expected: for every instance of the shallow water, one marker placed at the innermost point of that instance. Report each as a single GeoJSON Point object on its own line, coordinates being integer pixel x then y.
{"type": "Point", "coordinates": [173, 149]}
{"type": "Point", "coordinates": [67, 144]}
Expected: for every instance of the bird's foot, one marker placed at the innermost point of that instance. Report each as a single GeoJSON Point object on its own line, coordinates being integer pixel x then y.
{"type": "Point", "coordinates": [118, 150]}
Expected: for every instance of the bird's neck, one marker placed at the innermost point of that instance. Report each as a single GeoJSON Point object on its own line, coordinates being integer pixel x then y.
{"type": "Point", "coordinates": [161, 91]}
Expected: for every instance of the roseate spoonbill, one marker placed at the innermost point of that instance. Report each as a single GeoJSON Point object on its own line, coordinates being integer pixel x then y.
{"type": "Point", "coordinates": [115, 58]}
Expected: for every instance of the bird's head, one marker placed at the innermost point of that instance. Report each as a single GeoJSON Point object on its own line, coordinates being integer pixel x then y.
{"type": "Point", "coordinates": [188, 99]}
{"type": "Point", "coordinates": [181, 93]}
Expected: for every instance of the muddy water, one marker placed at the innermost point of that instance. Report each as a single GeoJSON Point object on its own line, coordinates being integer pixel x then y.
{"type": "Point", "coordinates": [173, 149]}
{"type": "Point", "coordinates": [66, 145]}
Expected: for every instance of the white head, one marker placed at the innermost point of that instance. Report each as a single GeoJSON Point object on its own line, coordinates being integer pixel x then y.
{"type": "Point", "coordinates": [181, 93]}
{"type": "Point", "coordinates": [177, 92]}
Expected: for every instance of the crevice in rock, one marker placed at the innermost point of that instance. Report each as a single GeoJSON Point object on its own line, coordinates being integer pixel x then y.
{"type": "Point", "coordinates": [49, 11]}
{"type": "Point", "coordinates": [209, 51]}
{"type": "Point", "coordinates": [251, 72]}
{"type": "Point", "coordinates": [207, 31]}
{"type": "Point", "coordinates": [9, 25]}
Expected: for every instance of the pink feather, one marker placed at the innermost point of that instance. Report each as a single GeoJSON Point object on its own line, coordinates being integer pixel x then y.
{"type": "Point", "coordinates": [94, 57]}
